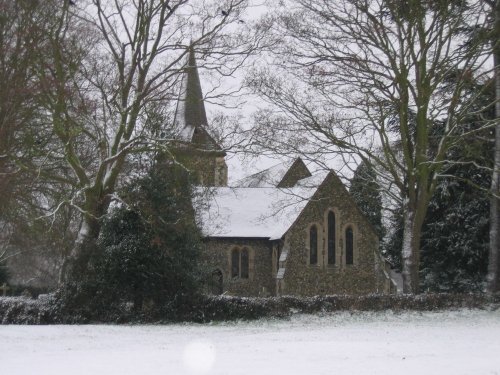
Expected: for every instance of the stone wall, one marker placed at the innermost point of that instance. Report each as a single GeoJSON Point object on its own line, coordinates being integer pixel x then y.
{"type": "Point", "coordinates": [362, 277]}
{"type": "Point", "coordinates": [220, 178]}
{"type": "Point", "coordinates": [209, 166]}
{"type": "Point", "coordinates": [296, 172]}
{"type": "Point", "coordinates": [216, 255]}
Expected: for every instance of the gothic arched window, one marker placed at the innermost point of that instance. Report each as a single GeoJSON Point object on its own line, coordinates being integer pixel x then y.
{"type": "Point", "coordinates": [240, 263]}
{"type": "Point", "coordinates": [349, 246]}
{"type": "Point", "coordinates": [235, 263]}
{"type": "Point", "coordinates": [331, 238]}
{"type": "Point", "coordinates": [244, 263]}
{"type": "Point", "coordinates": [313, 245]}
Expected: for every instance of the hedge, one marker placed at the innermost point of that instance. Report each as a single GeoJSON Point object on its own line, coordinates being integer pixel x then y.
{"type": "Point", "coordinates": [47, 309]}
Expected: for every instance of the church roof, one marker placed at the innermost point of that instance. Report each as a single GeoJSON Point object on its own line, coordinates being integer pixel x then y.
{"type": "Point", "coordinates": [266, 212]}
{"type": "Point", "coordinates": [276, 175]}
{"type": "Point", "coordinates": [270, 177]}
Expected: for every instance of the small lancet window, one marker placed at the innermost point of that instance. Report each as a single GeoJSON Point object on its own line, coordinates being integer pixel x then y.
{"type": "Point", "coordinates": [235, 263]}
{"type": "Point", "coordinates": [313, 245]}
{"type": "Point", "coordinates": [349, 246]}
{"type": "Point", "coordinates": [331, 238]}
{"type": "Point", "coordinates": [244, 263]}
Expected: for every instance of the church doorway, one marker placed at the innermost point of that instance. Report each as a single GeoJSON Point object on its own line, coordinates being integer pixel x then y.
{"type": "Point", "coordinates": [216, 282]}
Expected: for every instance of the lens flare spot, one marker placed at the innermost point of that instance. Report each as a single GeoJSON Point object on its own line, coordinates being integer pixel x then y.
{"type": "Point", "coordinates": [199, 356]}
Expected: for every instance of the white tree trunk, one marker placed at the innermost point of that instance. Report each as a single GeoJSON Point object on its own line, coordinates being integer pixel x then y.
{"type": "Point", "coordinates": [412, 230]}
{"type": "Point", "coordinates": [407, 252]}
{"type": "Point", "coordinates": [85, 235]}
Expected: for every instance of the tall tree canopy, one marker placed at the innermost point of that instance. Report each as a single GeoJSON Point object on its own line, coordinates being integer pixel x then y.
{"type": "Point", "coordinates": [103, 73]}
{"type": "Point", "coordinates": [373, 78]}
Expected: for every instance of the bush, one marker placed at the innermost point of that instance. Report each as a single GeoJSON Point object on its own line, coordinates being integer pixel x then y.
{"type": "Point", "coordinates": [49, 309]}
{"type": "Point", "coordinates": [21, 310]}
{"type": "Point", "coordinates": [221, 308]}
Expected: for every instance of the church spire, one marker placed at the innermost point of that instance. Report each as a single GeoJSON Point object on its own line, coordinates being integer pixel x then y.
{"type": "Point", "coordinates": [190, 113]}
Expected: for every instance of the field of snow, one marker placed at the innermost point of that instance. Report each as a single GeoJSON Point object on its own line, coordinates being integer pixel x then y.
{"type": "Point", "coordinates": [457, 342]}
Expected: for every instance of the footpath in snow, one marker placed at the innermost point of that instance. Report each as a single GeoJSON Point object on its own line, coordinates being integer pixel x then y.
{"type": "Point", "coordinates": [456, 342]}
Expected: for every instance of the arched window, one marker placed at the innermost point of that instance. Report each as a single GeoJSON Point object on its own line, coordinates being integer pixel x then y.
{"type": "Point", "coordinates": [331, 238]}
{"type": "Point", "coordinates": [235, 263]}
{"type": "Point", "coordinates": [244, 263]}
{"type": "Point", "coordinates": [313, 245]}
{"type": "Point", "coordinates": [349, 246]}
{"type": "Point", "coordinates": [240, 263]}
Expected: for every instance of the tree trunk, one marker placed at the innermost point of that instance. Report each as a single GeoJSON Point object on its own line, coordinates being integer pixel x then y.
{"type": "Point", "coordinates": [76, 264]}
{"type": "Point", "coordinates": [493, 278]}
{"type": "Point", "coordinates": [414, 216]}
{"type": "Point", "coordinates": [411, 251]}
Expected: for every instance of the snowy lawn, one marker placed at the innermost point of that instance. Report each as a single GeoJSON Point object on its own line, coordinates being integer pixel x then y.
{"type": "Point", "coordinates": [456, 342]}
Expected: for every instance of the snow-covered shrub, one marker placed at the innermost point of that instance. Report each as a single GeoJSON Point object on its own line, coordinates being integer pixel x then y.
{"type": "Point", "coordinates": [21, 310]}
{"type": "Point", "coordinates": [49, 310]}
{"type": "Point", "coordinates": [220, 308]}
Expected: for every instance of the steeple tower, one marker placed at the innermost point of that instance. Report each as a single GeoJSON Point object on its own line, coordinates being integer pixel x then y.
{"type": "Point", "coordinates": [201, 154]}
{"type": "Point", "coordinates": [190, 110]}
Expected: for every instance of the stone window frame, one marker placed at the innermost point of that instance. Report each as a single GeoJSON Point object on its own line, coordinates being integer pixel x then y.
{"type": "Point", "coordinates": [338, 238]}
{"type": "Point", "coordinates": [319, 229]}
{"type": "Point", "coordinates": [251, 262]}
{"type": "Point", "coordinates": [355, 235]}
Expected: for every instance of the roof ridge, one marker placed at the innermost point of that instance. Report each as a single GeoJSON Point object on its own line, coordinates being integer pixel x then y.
{"type": "Point", "coordinates": [290, 162]}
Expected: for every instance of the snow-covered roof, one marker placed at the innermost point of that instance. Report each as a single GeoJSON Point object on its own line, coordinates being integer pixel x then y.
{"type": "Point", "coordinates": [270, 177]}
{"type": "Point", "coordinates": [252, 212]}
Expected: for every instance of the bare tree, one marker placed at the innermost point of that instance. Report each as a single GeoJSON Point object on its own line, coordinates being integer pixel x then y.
{"type": "Point", "coordinates": [18, 92]}
{"type": "Point", "coordinates": [32, 172]}
{"type": "Point", "coordinates": [379, 80]}
{"type": "Point", "coordinates": [104, 67]}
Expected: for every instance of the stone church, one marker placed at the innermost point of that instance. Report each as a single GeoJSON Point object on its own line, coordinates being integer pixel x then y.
{"type": "Point", "coordinates": [282, 231]}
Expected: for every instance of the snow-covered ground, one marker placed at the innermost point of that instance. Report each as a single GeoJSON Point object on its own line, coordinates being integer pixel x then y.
{"type": "Point", "coordinates": [457, 342]}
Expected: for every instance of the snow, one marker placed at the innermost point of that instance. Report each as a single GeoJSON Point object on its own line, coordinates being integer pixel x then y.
{"type": "Point", "coordinates": [269, 177]}
{"type": "Point", "coordinates": [250, 212]}
{"type": "Point", "coordinates": [458, 342]}
{"type": "Point", "coordinates": [255, 212]}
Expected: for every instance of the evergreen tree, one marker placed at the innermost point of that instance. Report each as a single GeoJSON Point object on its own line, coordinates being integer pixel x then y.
{"type": "Point", "coordinates": [365, 191]}
{"type": "Point", "coordinates": [394, 242]}
{"type": "Point", "coordinates": [455, 234]}
{"type": "Point", "coordinates": [146, 253]}
{"type": "Point", "coordinates": [151, 248]}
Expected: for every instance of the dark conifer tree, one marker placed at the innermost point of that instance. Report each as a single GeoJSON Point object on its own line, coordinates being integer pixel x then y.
{"type": "Point", "coordinates": [152, 246]}
{"type": "Point", "coordinates": [455, 235]}
{"type": "Point", "coordinates": [146, 253]}
{"type": "Point", "coordinates": [394, 241]}
{"type": "Point", "coordinates": [365, 191]}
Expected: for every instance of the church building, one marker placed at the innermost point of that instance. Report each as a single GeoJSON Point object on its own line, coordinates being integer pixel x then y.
{"type": "Point", "coordinates": [282, 231]}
